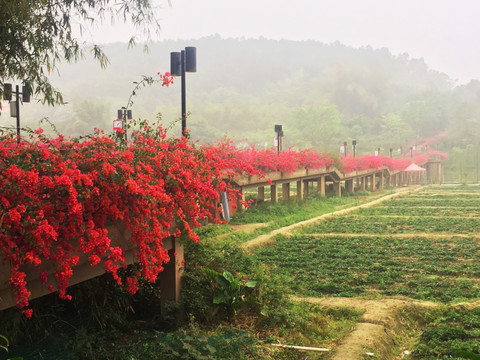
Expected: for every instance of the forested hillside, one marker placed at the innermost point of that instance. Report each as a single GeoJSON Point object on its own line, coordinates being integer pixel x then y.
{"type": "Point", "coordinates": [322, 94]}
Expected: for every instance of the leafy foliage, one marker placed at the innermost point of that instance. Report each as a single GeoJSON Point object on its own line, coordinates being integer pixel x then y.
{"type": "Point", "coordinates": [450, 334]}
{"type": "Point", "coordinates": [228, 290]}
{"type": "Point", "coordinates": [36, 36]}
{"type": "Point", "coordinates": [63, 194]}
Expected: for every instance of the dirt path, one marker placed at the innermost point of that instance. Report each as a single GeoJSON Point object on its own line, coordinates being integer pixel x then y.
{"type": "Point", "coordinates": [378, 328]}
{"type": "Point", "coordinates": [267, 239]}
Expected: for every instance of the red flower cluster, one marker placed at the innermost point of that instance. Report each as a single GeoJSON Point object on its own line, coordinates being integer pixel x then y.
{"type": "Point", "coordinates": [57, 197]}
{"type": "Point", "coordinates": [365, 162]}
{"type": "Point", "coordinates": [286, 161]}
{"type": "Point", "coordinates": [167, 78]}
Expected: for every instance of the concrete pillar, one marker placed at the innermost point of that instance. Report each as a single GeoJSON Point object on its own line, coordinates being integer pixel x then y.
{"type": "Point", "coordinates": [306, 186]}
{"type": "Point", "coordinates": [363, 181]}
{"type": "Point", "coordinates": [440, 173]}
{"type": "Point", "coordinates": [300, 190]}
{"type": "Point", "coordinates": [241, 200]}
{"type": "Point", "coordinates": [261, 193]}
{"type": "Point", "coordinates": [321, 185]}
{"type": "Point", "coordinates": [170, 279]}
{"type": "Point", "coordinates": [286, 191]}
{"type": "Point", "coordinates": [382, 181]}
{"type": "Point", "coordinates": [274, 193]}
{"type": "Point", "coordinates": [373, 185]}
{"type": "Point", "coordinates": [337, 186]}
{"type": "Point", "coordinates": [349, 186]}
{"type": "Point", "coordinates": [357, 183]}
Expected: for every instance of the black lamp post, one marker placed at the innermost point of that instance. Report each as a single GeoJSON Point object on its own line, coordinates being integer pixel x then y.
{"type": "Point", "coordinates": [122, 116]}
{"type": "Point", "coordinates": [354, 145]}
{"type": "Point", "coordinates": [411, 151]}
{"type": "Point", "coordinates": [391, 153]}
{"type": "Point", "coordinates": [180, 63]}
{"type": "Point", "coordinates": [279, 131]}
{"type": "Point", "coordinates": [344, 148]}
{"type": "Point", "coordinates": [15, 105]}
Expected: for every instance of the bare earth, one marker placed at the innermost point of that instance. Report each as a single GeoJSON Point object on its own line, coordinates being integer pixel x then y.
{"type": "Point", "coordinates": [375, 333]}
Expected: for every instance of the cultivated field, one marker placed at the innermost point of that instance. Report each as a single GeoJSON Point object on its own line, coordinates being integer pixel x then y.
{"type": "Point", "coordinates": [419, 248]}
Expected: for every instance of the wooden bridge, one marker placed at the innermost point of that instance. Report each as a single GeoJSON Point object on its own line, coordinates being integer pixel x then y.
{"type": "Point", "coordinates": [170, 279]}
{"type": "Point", "coordinates": [331, 178]}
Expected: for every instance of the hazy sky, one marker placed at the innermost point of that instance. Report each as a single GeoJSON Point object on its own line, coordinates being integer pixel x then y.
{"type": "Point", "coordinates": [445, 33]}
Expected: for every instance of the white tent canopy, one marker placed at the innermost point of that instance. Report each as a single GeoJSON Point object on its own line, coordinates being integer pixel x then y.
{"type": "Point", "coordinates": [414, 168]}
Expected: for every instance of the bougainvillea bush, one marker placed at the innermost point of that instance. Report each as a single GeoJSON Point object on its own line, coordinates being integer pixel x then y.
{"type": "Point", "coordinates": [286, 161]}
{"type": "Point", "coordinates": [58, 195]}
{"type": "Point", "coordinates": [350, 163]}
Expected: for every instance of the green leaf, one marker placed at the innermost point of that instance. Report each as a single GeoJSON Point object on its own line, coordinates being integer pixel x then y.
{"type": "Point", "coordinates": [7, 343]}
{"type": "Point", "coordinates": [220, 298]}
{"type": "Point", "coordinates": [5, 339]}
{"type": "Point", "coordinates": [220, 279]}
{"type": "Point", "coordinates": [228, 276]}
{"type": "Point", "coordinates": [210, 273]}
{"type": "Point", "coordinates": [211, 349]}
{"type": "Point", "coordinates": [251, 284]}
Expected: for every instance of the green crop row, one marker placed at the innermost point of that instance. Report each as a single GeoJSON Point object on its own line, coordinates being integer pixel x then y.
{"type": "Point", "coordinates": [449, 333]}
{"type": "Point", "coordinates": [444, 211]}
{"type": "Point", "coordinates": [355, 224]}
{"type": "Point", "coordinates": [441, 270]}
{"type": "Point", "coordinates": [474, 201]}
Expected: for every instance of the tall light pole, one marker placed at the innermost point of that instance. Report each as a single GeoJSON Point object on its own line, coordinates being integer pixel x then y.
{"type": "Point", "coordinates": [279, 131]}
{"type": "Point", "coordinates": [354, 145]}
{"type": "Point", "coordinates": [180, 63]}
{"type": "Point", "coordinates": [15, 105]}
{"type": "Point", "coordinates": [345, 148]}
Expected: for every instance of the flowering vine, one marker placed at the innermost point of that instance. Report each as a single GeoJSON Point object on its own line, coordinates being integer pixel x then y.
{"type": "Point", "coordinates": [58, 196]}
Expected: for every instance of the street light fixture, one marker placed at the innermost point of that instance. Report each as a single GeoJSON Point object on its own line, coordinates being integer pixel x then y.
{"type": "Point", "coordinates": [354, 145]}
{"type": "Point", "coordinates": [345, 148]}
{"type": "Point", "coordinates": [180, 63]}
{"type": "Point", "coordinates": [279, 131]}
{"type": "Point", "coordinates": [120, 124]}
{"type": "Point", "coordinates": [15, 105]}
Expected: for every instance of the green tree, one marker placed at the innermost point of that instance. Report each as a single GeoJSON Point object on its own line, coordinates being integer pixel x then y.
{"type": "Point", "coordinates": [395, 129]}
{"type": "Point", "coordinates": [317, 126]}
{"type": "Point", "coordinates": [35, 35]}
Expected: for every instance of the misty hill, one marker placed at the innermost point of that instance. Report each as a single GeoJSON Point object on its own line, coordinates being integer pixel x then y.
{"type": "Point", "coordinates": [322, 94]}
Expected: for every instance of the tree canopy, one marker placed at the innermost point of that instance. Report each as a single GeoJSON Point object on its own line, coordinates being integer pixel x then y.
{"type": "Point", "coordinates": [35, 35]}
